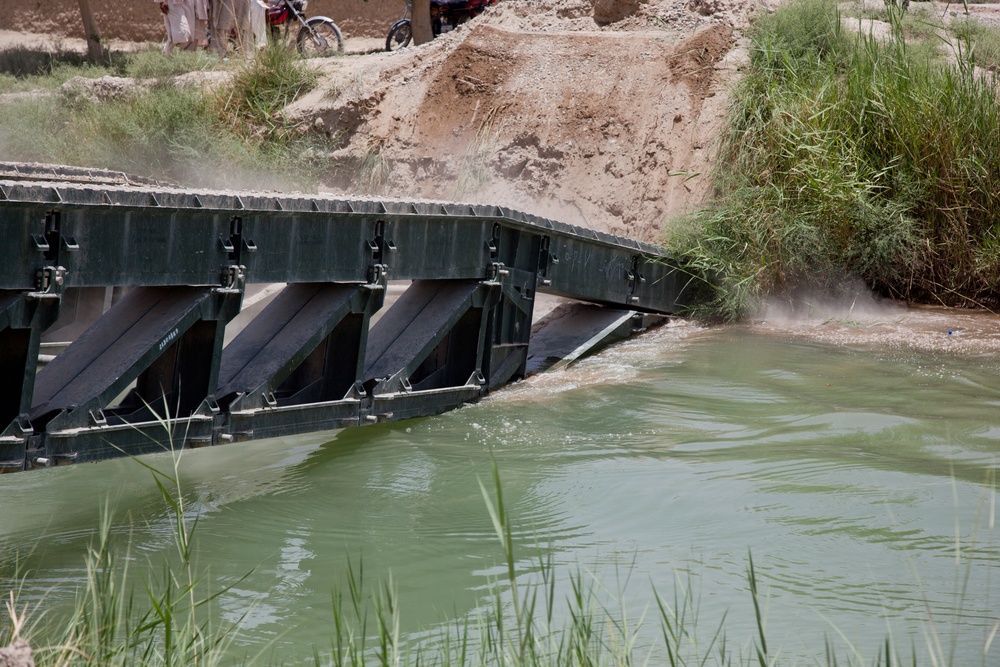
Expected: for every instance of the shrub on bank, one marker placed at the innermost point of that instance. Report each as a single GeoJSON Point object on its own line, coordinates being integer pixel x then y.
{"type": "Point", "coordinates": [852, 156]}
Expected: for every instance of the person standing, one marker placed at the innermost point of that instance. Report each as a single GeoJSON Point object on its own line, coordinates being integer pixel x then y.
{"type": "Point", "coordinates": [258, 22]}
{"type": "Point", "coordinates": [179, 20]}
{"type": "Point", "coordinates": [226, 15]}
{"type": "Point", "coordinates": [202, 16]}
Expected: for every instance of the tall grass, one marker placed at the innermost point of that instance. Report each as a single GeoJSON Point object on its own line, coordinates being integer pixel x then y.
{"type": "Point", "coordinates": [529, 617]}
{"type": "Point", "coordinates": [852, 156]}
{"type": "Point", "coordinates": [165, 620]}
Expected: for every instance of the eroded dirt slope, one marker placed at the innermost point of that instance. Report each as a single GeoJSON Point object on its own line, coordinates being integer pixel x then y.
{"type": "Point", "coordinates": [544, 106]}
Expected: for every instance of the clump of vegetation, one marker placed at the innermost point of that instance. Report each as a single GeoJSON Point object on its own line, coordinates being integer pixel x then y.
{"type": "Point", "coordinates": [253, 102]}
{"type": "Point", "coordinates": [229, 135]}
{"type": "Point", "coordinates": [852, 156]}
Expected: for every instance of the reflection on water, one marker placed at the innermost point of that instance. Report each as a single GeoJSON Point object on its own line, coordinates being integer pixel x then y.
{"type": "Point", "coordinates": [859, 472]}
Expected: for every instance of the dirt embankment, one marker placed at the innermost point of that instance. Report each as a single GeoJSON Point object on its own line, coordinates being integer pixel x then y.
{"type": "Point", "coordinates": [599, 114]}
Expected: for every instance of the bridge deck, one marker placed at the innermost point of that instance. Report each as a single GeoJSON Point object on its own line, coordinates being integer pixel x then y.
{"type": "Point", "coordinates": [307, 362]}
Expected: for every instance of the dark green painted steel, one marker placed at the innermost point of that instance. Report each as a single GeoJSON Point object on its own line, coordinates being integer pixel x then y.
{"type": "Point", "coordinates": [23, 318]}
{"type": "Point", "coordinates": [103, 235]}
{"type": "Point", "coordinates": [308, 361]}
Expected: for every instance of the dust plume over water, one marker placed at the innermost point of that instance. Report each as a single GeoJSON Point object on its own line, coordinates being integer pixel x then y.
{"type": "Point", "coordinates": [863, 319]}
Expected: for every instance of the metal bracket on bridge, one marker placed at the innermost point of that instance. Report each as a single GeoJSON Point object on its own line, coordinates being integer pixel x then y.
{"type": "Point", "coordinates": [378, 276]}
{"type": "Point", "coordinates": [380, 248]}
{"type": "Point", "coordinates": [496, 272]}
{"type": "Point", "coordinates": [236, 244]}
{"type": "Point", "coordinates": [234, 279]}
{"type": "Point", "coordinates": [379, 245]}
{"type": "Point", "coordinates": [635, 279]}
{"type": "Point", "coordinates": [49, 282]}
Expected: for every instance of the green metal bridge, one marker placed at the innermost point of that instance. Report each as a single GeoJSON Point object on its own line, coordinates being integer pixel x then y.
{"type": "Point", "coordinates": [143, 279]}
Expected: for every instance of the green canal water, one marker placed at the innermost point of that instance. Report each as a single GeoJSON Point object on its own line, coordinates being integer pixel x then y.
{"type": "Point", "coordinates": [855, 460]}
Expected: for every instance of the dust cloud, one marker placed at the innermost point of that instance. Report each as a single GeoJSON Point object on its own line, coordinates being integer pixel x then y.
{"type": "Point", "coordinates": [856, 317]}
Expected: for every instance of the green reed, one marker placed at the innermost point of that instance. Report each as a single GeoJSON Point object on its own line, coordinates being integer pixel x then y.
{"type": "Point", "coordinates": [162, 620]}
{"type": "Point", "coordinates": [524, 620]}
{"type": "Point", "coordinates": [852, 155]}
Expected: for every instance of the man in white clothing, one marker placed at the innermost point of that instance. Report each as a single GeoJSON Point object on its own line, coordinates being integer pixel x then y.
{"type": "Point", "coordinates": [258, 23]}
{"type": "Point", "coordinates": [179, 20]}
{"type": "Point", "coordinates": [202, 16]}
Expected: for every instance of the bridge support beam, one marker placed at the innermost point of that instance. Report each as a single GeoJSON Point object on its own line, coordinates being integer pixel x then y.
{"type": "Point", "coordinates": [23, 317]}
{"type": "Point", "coordinates": [427, 351]}
{"type": "Point", "coordinates": [575, 330]}
{"type": "Point", "coordinates": [297, 366]}
{"type": "Point", "coordinates": [153, 356]}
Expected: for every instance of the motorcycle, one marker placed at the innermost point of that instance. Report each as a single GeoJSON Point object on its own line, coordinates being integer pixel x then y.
{"type": "Point", "coordinates": [317, 36]}
{"type": "Point", "coordinates": [446, 15]}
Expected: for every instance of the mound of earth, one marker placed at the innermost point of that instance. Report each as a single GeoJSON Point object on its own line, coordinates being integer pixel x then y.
{"type": "Point", "coordinates": [597, 113]}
